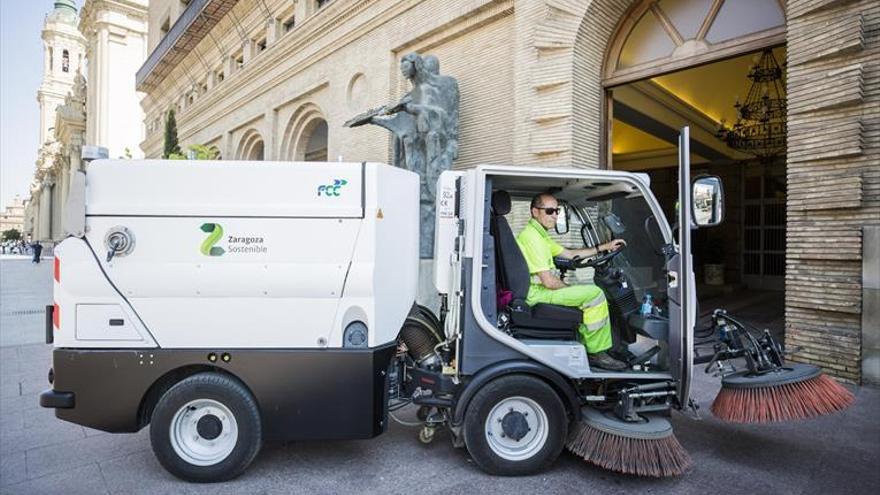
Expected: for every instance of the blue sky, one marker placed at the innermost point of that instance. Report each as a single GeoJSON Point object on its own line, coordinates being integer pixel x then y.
{"type": "Point", "coordinates": [21, 63]}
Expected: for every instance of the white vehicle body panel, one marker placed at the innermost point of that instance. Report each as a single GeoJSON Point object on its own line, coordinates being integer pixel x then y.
{"type": "Point", "coordinates": [222, 189]}
{"type": "Point", "coordinates": [445, 230]}
{"type": "Point", "coordinates": [299, 256]}
{"type": "Point", "coordinates": [83, 284]}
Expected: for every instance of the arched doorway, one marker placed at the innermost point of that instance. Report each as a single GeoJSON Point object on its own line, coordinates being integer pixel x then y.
{"type": "Point", "coordinates": [251, 147]}
{"type": "Point", "coordinates": [306, 135]}
{"type": "Point", "coordinates": [316, 146]}
{"type": "Point", "coordinates": [689, 62]}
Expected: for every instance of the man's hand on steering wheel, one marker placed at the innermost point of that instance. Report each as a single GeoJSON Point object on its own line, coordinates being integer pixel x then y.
{"type": "Point", "coordinates": [612, 245]}
{"type": "Point", "coordinates": [612, 248]}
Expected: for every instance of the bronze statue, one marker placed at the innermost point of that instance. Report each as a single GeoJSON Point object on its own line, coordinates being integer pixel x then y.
{"type": "Point", "coordinates": [425, 127]}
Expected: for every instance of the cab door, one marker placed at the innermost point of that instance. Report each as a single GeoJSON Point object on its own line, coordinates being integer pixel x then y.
{"type": "Point", "coordinates": [681, 282]}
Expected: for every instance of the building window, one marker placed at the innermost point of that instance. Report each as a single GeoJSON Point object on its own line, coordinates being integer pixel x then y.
{"type": "Point", "coordinates": [51, 59]}
{"type": "Point", "coordinates": [238, 60]}
{"type": "Point", "coordinates": [323, 3]}
{"type": "Point", "coordinates": [289, 24]}
{"type": "Point", "coordinates": [203, 86]}
{"type": "Point", "coordinates": [220, 76]}
{"type": "Point", "coordinates": [261, 45]}
{"type": "Point", "coordinates": [65, 61]}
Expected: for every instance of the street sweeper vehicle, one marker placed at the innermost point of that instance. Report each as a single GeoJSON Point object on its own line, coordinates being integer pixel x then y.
{"type": "Point", "coordinates": [225, 304]}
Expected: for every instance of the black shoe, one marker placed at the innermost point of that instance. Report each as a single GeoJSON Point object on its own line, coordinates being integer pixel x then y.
{"type": "Point", "coordinates": [606, 362]}
{"type": "Point", "coordinates": [622, 355]}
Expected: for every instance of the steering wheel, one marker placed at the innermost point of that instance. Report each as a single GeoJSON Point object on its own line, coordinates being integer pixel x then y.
{"type": "Point", "coordinates": [600, 260]}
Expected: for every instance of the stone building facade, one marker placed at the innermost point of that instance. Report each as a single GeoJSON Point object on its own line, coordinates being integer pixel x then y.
{"type": "Point", "coordinates": [83, 103]}
{"type": "Point", "coordinates": [275, 80]}
{"type": "Point", "coordinates": [12, 216]}
{"type": "Point", "coordinates": [63, 61]}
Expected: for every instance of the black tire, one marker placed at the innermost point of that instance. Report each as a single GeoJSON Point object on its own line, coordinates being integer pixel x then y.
{"type": "Point", "coordinates": [507, 388]}
{"type": "Point", "coordinates": [232, 395]}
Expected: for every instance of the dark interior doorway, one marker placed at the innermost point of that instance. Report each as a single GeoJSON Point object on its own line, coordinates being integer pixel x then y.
{"type": "Point", "coordinates": [741, 263]}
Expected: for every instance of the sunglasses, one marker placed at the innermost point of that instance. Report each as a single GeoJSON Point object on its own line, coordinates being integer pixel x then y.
{"type": "Point", "coordinates": [550, 211]}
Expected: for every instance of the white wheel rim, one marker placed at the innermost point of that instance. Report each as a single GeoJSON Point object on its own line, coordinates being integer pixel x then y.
{"type": "Point", "coordinates": [507, 447]}
{"type": "Point", "coordinates": [193, 447]}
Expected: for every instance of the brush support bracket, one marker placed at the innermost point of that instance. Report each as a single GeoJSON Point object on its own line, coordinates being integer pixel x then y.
{"type": "Point", "coordinates": [762, 353]}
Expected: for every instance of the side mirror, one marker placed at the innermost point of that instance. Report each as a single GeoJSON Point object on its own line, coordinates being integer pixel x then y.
{"type": "Point", "coordinates": [707, 201]}
{"type": "Point", "coordinates": [562, 220]}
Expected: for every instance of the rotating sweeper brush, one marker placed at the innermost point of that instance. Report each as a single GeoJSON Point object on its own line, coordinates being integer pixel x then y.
{"type": "Point", "coordinates": [646, 447]}
{"type": "Point", "coordinates": [769, 389]}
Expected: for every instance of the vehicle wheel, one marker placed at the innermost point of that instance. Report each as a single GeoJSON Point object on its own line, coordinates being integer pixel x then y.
{"type": "Point", "coordinates": [515, 425]}
{"type": "Point", "coordinates": [206, 428]}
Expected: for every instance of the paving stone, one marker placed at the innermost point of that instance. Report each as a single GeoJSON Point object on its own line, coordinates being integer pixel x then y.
{"type": "Point", "coordinates": [18, 403]}
{"type": "Point", "coordinates": [10, 366]}
{"type": "Point", "coordinates": [25, 287]}
{"type": "Point", "coordinates": [12, 468]}
{"type": "Point", "coordinates": [10, 361]}
{"type": "Point", "coordinates": [85, 450]}
{"type": "Point", "coordinates": [51, 434]}
{"type": "Point", "coordinates": [15, 377]}
{"type": "Point", "coordinates": [8, 390]}
{"type": "Point", "coordinates": [93, 433]}
{"type": "Point", "coordinates": [41, 418]}
{"type": "Point", "coordinates": [36, 354]}
{"type": "Point", "coordinates": [85, 480]}
{"type": "Point", "coordinates": [35, 384]}
{"type": "Point", "coordinates": [13, 421]}
{"type": "Point", "coordinates": [141, 473]}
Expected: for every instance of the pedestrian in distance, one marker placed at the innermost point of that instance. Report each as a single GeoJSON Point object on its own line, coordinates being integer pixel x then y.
{"type": "Point", "coordinates": [37, 250]}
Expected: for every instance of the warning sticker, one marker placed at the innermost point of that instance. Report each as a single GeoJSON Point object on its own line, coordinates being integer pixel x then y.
{"type": "Point", "coordinates": [446, 207]}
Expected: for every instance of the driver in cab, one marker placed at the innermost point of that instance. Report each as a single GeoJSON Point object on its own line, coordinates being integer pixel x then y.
{"type": "Point", "coordinates": [546, 287]}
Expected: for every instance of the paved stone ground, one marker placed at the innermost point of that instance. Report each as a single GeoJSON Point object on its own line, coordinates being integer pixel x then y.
{"type": "Point", "coordinates": [40, 454]}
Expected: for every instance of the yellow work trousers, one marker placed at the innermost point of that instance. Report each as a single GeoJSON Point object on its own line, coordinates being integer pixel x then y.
{"type": "Point", "coordinates": [595, 331]}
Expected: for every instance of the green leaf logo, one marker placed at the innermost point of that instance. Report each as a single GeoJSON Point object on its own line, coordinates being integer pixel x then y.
{"type": "Point", "coordinates": [215, 233]}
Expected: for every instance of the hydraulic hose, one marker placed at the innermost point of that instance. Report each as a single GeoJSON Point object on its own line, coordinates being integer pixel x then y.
{"type": "Point", "coordinates": [420, 333]}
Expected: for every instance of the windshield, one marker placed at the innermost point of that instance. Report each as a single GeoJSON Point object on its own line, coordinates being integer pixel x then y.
{"type": "Point", "coordinates": [631, 219]}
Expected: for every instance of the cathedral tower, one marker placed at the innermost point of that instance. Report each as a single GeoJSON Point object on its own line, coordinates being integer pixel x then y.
{"type": "Point", "coordinates": [63, 56]}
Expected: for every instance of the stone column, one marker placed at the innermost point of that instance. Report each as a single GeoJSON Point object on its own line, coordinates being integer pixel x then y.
{"type": "Point", "coordinates": [102, 87]}
{"type": "Point", "coordinates": [43, 231]}
{"type": "Point", "coordinates": [270, 137]}
{"type": "Point", "coordinates": [32, 215]}
{"type": "Point", "coordinates": [273, 27]}
{"type": "Point", "coordinates": [57, 207]}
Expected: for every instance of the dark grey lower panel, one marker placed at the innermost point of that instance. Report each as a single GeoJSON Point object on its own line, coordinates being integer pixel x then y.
{"type": "Point", "coordinates": [303, 394]}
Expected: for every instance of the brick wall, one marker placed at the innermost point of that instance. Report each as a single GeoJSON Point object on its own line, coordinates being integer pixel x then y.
{"type": "Point", "coordinates": [833, 175]}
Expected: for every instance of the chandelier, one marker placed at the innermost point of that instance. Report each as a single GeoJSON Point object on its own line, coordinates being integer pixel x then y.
{"type": "Point", "coordinates": [760, 126]}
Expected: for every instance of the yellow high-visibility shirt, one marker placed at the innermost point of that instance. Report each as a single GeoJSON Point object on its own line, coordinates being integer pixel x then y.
{"type": "Point", "coordinates": [537, 247]}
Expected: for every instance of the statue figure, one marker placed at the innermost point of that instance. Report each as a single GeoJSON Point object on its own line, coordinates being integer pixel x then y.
{"type": "Point", "coordinates": [79, 86]}
{"type": "Point", "coordinates": [425, 127]}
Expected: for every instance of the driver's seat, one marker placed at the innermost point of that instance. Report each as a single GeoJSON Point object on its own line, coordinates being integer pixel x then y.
{"type": "Point", "coordinates": [541, 321]}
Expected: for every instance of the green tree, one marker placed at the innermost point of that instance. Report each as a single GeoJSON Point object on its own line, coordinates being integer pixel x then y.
{"type": "Point", "coordinates": [197, 152]}
{"type": "Point", "coordinates": [11, 235]}
{"type": "Point", "coordinates": [172, 147]}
